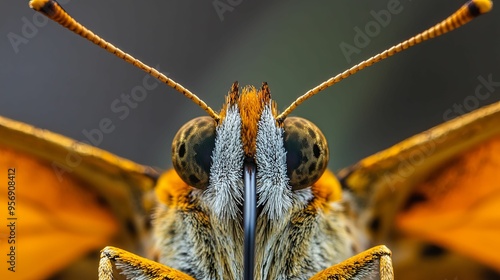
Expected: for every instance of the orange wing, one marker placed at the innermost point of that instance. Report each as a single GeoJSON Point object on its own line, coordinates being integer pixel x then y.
{"type": "Point", "coordinates": [71, 200]}
{"type": "Point", "coordinates": [434, 199]}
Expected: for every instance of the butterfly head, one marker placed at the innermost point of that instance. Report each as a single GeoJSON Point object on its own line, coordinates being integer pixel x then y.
{"type": "Point", "coordinates": [210, 155]}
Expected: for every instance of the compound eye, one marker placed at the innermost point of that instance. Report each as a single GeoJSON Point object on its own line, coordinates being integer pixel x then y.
{"type": "Point", "coordinates": [306, 152]}
{"type": "Point", "coordinates": [192, 151]}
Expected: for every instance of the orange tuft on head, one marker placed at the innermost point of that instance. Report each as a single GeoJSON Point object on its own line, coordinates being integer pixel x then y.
{"type": "Point", "coordinates": [250, 104]}
{"type": "Point", "coordinates": [251, 107]}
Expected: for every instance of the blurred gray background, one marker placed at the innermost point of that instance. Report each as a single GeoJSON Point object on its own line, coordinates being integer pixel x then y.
{"type": "Point", "coordinates": [55, 80]}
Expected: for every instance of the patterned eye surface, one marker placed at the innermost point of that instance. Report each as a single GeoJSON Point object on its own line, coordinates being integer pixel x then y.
{"type": "Point", "coordinates": [307, 152]}
{"type": "Point", "coordinates": [192, 151]}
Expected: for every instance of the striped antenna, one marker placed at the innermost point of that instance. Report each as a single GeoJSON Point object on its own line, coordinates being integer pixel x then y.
{"type": "Point", "coordinates": [465, 14]}
{"type": "Point", "coordinates": [55, 12]}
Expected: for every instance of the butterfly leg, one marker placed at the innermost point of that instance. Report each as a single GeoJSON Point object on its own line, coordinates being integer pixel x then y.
{"type": "Point", "coordinates": [135, 267]}
{"type": "Point", "coordinates": [374, 263]}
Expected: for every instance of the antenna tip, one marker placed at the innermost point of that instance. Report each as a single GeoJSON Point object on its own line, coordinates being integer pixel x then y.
{"type": "Point", "coordinates": [37, 4]}
{"type": "Point", "coordinates": [479, 7]}
{"type": "Point", "coordinates": [46, 7]}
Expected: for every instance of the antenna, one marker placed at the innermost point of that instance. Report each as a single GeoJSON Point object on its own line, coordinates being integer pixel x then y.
{"type": "Point", "coordinates": [466, 13]}
{"type": "Point", "coordinates": [55, 12]}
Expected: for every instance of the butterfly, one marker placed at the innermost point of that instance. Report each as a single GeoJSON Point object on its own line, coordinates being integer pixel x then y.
{"type": "Point", "coordinates": [353, 179]}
